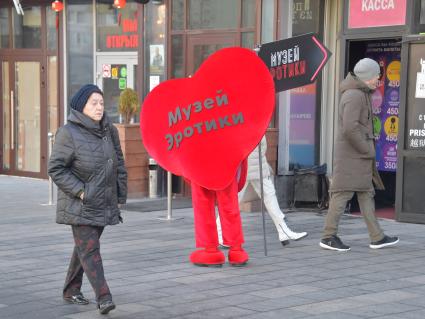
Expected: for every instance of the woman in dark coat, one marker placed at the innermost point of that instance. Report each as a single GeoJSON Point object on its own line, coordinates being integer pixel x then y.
{"type": "Point", "coordinates": [87, 165]}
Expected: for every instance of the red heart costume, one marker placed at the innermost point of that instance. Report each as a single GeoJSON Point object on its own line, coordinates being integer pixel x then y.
{"type": "Point", "coordinates": [203, 128]}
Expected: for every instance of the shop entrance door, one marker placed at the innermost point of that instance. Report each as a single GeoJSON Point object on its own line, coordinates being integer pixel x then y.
{"type": "Point", "coordinates": [24, 132]}
{"type": "Point", "coordinates": [201, 46]}
{"type": "Point", "coordinates": [114, 74]}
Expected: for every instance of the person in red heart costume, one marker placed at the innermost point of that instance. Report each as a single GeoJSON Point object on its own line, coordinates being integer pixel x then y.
{"type": "Point", "coordinates": [202, 128]}
{"type": "Point", "coordinates": [206, 236]}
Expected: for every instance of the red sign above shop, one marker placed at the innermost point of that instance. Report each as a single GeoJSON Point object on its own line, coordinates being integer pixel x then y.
{"type": "Point", "coordinates": [376, 13]}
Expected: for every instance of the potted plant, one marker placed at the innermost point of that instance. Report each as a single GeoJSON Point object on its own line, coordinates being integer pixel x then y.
{"type": "Point", "coordinates": [129, 104]}
{"type": "Point", "coordinates": [135, 155]}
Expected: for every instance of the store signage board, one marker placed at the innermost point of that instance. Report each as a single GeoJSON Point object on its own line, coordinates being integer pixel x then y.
{"type": "Point", "coordinates": [420, 82]}
{"type": "Point", "coordinates": [415, 114]}
{"type": "Point", "coordinates": [376, 13]}
{"type": "Point", "coordinates": [294, 62]}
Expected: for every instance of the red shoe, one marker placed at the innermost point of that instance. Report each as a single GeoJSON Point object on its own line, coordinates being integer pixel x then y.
{"type": "Point", "coordinates": [238, 256]}
{"type": "Point", "coordinates": [208, 257]}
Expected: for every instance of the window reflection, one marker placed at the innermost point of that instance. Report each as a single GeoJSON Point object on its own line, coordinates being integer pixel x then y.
{"type": "Point", "coordinates": [177, 15]}
{"type": "Point", "coordinates": [51, 30]}
{"type": "Point", "coordinates": [154, 35]}
{"type": "Point", "coordinates": [177, 69]}
{"type": "Point", "coordinates": [6, 114]}
{"type": "Point", "coordinates": [27, 28]}
{"type": "Point", "coordinates": [203, 14]}
{"type": "Point", "coordinates": [4, 28]}
{"type": "Point", "coordinates": [27, 106]}
{"type": "Point", "coordinates": [80, 46]}
{"type": "Point", "coordinates": [422, 12]}
{"type": "Point", "coordinates": [248, 13]}
{"type": "Point", "coordinates": [52, 94]}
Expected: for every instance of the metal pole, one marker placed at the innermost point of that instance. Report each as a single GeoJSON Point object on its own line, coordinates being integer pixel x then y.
{"type": "Point", "coordinates": [169, 195]}
{"type": "Point", "coordinates": [260, 160]}
{"type": "Point", "coordinates": [50, 137]}
{"type": "Point", "coordinates": [169, 200]}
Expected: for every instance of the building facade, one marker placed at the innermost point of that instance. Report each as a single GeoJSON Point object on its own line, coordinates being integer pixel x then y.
{"type": "Point", "coordinates": [45, 56]}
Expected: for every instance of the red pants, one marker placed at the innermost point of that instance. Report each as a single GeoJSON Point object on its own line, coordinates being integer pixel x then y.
{"type": "Point", "coordinates": [203, 201]}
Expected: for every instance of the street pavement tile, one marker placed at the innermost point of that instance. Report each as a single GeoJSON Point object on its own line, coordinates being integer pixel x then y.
{"type": "Point", "coordinates": [146, 265]}
{"type": "Point", "coordinates": [284, 291]}
{"type": "Point", "coordinates": [380, 309]}
{"type": "Point", "coordinates": [221, 313]}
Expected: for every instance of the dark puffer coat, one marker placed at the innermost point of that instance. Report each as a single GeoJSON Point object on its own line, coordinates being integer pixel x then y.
{"type": "Point", "coordinates": [354, 157]}
{"type": "Point", "coordinates": [87, 157]}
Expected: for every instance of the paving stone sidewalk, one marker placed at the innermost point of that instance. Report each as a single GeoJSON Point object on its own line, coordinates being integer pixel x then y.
{"type": "Point", "coordinates": [147, 268]}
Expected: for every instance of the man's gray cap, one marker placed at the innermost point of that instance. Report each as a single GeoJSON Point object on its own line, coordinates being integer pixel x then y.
{"type": "Point", "coordinates": [366, 69]}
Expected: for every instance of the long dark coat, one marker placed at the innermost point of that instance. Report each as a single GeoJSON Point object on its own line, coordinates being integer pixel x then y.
{"type": "Point", "coordinates": [354, 152]}
{"type": "Point", "coordinates": [87, 157]}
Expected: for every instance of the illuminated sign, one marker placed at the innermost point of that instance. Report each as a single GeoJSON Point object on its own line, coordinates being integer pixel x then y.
{"type": "Point", "coordinates": [376, 13]}
{"type": "Point", "coordinates": [130, 40]}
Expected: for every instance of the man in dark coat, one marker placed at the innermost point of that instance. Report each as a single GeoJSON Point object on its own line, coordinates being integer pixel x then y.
{"type": "Point", "coordinates": [87, 165]}
{"type": "Point", "coordinates": [354, 158]}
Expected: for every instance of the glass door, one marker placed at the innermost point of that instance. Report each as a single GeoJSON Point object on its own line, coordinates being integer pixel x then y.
{"type": "Point", "coordinates": [201, 46]}
{"type": "Point", "coordinates": [23, 148]}
{"type": "Point", "coordinates": [114, 74]}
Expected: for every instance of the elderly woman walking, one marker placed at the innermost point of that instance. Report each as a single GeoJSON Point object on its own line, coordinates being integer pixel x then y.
{"type": "Point", "coordinates": [87, 165]}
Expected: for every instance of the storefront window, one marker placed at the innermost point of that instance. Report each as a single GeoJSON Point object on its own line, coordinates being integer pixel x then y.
{"type": "Point", "coordinates": [306, 16]}
{"type": "Point", "coordinates": [27, 28]}
{"type": "Point", "coordinates": [79, 45]}
{"type": "Point", "coordinates": [6, 114]}
{"type": "Point", "coordinates": [117, 29]}
{"type": "Point", "coordinates": [177, 15]}
{"type": "Point", "coordinates": [304, 113]}
{"type": "Point", "coordinates": [423, 12]}
{"type": "Point", "coordinates": [52, 94]}
{"type": "Point", "coordinates": [267, 21]}
{"type": "Point", "coordinates": [154, 36]}
{"type": "Point", "coordinates": [203, 14]}
{"type": "Point", "coordinates": [4, 28]}
{"type": "Point", "coordinates": [248, 13]}
{"type": "Point", "coordinates": [177, 63]}
{"type": "Point", "coordinates": [248, 40]}
{"type": "Point", "coordinates": [52, 41]}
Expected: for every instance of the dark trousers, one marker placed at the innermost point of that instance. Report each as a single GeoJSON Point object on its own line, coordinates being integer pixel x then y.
{"type": "Point", "coordinates": [86, 259]}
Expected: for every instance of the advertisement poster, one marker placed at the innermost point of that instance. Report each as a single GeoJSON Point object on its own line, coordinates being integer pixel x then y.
{"type": "Point", "coordinates": [302, 126]}
{"type": "Point", "coordinates": [156, 52]}
{"type": "Point", "coordinates": [386, 102]}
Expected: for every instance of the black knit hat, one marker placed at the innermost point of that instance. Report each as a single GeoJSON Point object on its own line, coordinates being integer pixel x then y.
{"type": "Point", "coordinates": [79, 100]}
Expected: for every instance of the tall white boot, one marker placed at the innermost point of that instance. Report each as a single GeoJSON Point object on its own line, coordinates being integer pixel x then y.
{"type": "Point", "coordinates": [278, 217]}
{"type": "Point", "coordinates": [289, 233]}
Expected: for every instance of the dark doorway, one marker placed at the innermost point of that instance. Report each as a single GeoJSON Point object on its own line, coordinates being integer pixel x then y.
{"type": "Point", "coordinates": [385, 106]}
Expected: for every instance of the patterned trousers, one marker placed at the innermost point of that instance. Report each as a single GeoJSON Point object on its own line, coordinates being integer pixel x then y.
{"type": "Point", "coordinates": [86, 259]}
